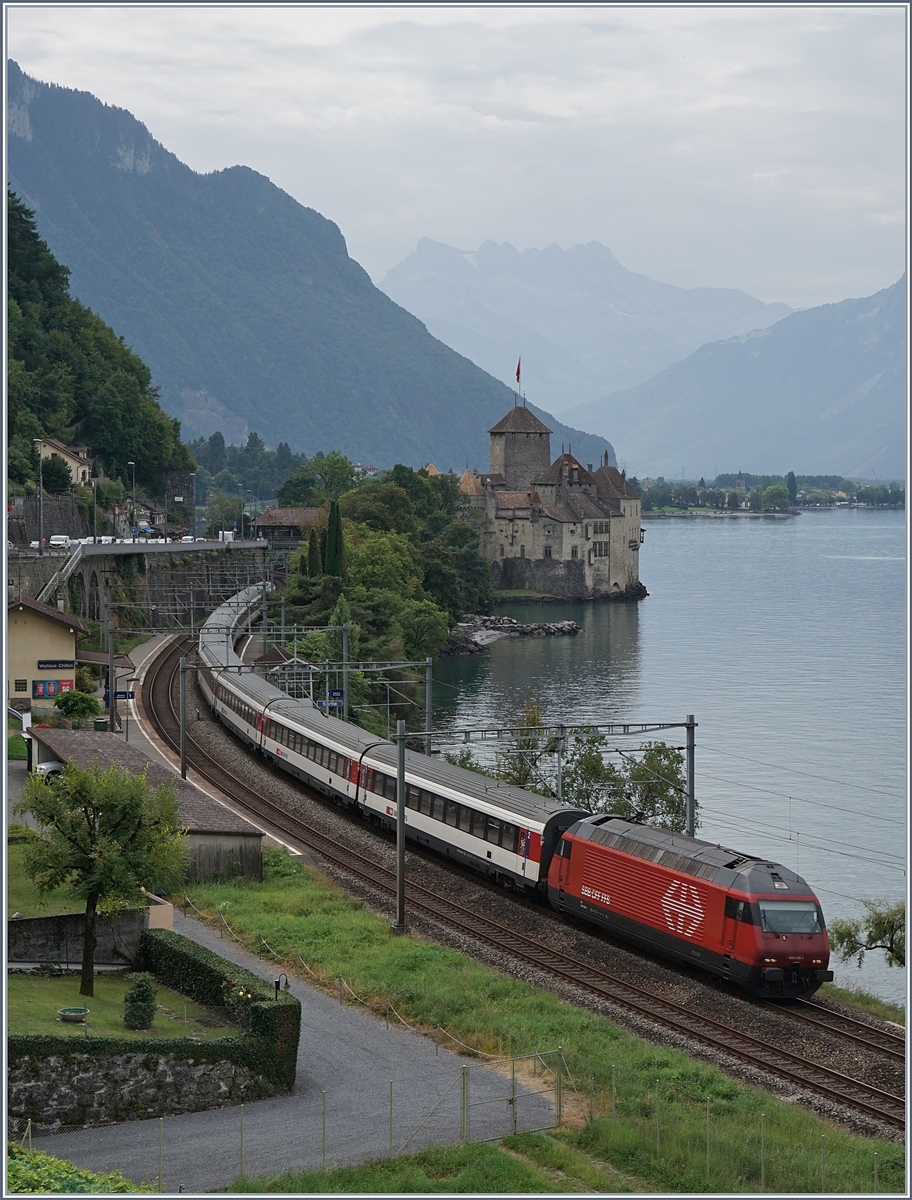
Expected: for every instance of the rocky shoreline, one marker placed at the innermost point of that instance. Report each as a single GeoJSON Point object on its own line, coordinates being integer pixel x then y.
{"type": "Point", "coordinates": [475, 633]}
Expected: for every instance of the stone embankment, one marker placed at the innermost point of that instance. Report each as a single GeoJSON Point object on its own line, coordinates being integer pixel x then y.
{"type": "Point", "coordinates": [472, 635]}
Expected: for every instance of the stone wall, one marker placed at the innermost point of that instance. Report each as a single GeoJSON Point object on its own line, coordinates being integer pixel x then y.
{"type": "Point", "coordinates": [552, 577]}
{"type": "Point", "coordinates": [95, 1089]}
{"type": "Point", "coordinates": [59, 939]}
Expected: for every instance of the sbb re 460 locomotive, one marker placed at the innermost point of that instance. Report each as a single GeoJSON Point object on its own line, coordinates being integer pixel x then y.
{"type": "Point", "coordinates": [754, 922]}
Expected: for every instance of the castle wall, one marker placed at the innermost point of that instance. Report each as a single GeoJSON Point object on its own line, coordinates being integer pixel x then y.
{"type": "Point", "coordinates": [520, 457]}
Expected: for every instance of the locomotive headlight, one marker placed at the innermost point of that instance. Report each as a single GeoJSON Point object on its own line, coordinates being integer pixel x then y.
{"type": "Point", "coordinates": [769, 960]}
{"type": "Point", "coordinates": [817, 961]}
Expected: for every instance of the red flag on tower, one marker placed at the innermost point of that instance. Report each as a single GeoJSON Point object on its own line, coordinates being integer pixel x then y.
{"type": "Point", "coordinates": [519, 363]}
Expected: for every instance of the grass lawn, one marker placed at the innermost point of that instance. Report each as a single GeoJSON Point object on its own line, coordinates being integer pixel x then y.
{"type": "Point", "coordinates": [530, 1163]}
{"type": "Point", "coordinates": [22, 896]}
{"type": "Point", "coordinates": [650, 1104]}
{"type": "Point", "coordinates": [33, 1001]}
{"type": "Point", "coordinates": [15, 746]}
{"type": "Point", "coordinates": [866, 1002]}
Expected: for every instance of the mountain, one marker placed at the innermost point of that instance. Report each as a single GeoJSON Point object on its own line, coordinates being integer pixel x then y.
{"type": "Point", "coordinates": [822, 391]}
{"type": "Point", "coordinates": [245, 304]}
{"type": "Point", "coordinates": [583, 323]}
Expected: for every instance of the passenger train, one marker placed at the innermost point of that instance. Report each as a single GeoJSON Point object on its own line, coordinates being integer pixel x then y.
{"type": "Point", "coordinates": [738, 917]}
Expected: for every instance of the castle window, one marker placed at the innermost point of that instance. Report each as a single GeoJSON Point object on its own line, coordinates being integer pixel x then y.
{"type": "Point", "coordinates": [600, 549]}
{"type": "Point", "coordinates": [502, 552]}
{"type": "Point", "coordinates": [574, 551]}
{"type": "Point", "coordinates": [547, 551]}
{"type": "Point", "coordinates": [522, 552]}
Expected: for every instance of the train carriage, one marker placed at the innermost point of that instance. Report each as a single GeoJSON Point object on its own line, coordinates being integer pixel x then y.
{"type": "Point", "coordinates": [736, 916]}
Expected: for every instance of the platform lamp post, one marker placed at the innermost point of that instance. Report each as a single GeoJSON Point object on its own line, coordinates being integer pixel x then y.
{"type": "Point", "coordinates": [193, 503]}
{"type": "Point", "coordinates": [112, 681]}
{"type": "Point", "coordinates": [399, 739]}
{"type": "Point", "coordinates": [94, 512]}
{"type": "Point", "coordinates": [132, 465]}
{"type": "Point", "coordinates": [38, 442]}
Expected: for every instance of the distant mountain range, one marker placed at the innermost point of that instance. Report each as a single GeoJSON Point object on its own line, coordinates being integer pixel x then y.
{"type": "Point", "coordinates": [245, 304]}
{"type": "Point", "coordinates": [583, 323]}
{"type": "Point", "coordinates": [822, 391]}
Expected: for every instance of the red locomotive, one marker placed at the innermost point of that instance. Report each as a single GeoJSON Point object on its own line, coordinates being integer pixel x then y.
{"type": "Point", "coordinates": [754, 922]}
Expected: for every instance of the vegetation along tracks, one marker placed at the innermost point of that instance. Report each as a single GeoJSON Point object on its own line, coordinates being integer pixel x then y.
{"type": "Point", "coordinates": [771, 1058]}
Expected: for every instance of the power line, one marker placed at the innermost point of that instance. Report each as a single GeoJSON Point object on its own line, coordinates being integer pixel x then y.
{"type": "Point", "coordinates": [858, 787]}
{"type": "Point", "coordinates": [738, 783]}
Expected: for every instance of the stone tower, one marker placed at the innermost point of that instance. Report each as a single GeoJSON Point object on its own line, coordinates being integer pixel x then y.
{"type": "Point", "coordinates": [520, 449]}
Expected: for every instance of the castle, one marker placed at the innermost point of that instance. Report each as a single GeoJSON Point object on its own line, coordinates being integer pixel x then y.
{"type": "Point", "coordinates": [557, 528]}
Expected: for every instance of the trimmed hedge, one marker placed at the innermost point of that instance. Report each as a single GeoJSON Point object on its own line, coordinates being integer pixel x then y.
{"type": "Point", "coordinates": [273, 1026]}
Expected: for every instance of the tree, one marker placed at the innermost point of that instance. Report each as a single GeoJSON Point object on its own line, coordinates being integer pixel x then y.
{"type": "Point", "coordinates": [520, 764]}
{"type": "Point", "coordinates": [55, 475]}
{"type": "Point", "coordinates": [792, 484]}
{"type": "Point", "coordinates": [656, 787]}
{"type": "Point", "coordinates": [775, 498]}
{"type": "Point", "coordinates": [882, 927]}
{"type": "Point", "coordinates": [588, 781]}
{"type": "Point", "coordinates": [78, 704]}
{"type": "Point", "coordinates": [335, 543]}
{"type": "Point", "coordinates": [103, 834]}
{"type": "Point", "coordinates": [314, 562]}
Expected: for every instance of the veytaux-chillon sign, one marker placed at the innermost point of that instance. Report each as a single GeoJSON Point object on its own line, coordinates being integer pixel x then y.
{"type": "Point", "coordinates": [56, 664]}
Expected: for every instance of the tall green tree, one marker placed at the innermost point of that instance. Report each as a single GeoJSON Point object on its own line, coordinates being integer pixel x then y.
{"type": "Point", "coordinates": [104, 835]}
{"type": "Point", "coordinates": [335, 542]}
{"type": "Point", "coordinates": [314, 562]}
{"type": "Point", "coordinates": [792, 484]}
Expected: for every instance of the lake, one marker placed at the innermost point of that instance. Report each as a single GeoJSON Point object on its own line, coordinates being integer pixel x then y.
{"type": "Point", "coordinates": [786, 640]}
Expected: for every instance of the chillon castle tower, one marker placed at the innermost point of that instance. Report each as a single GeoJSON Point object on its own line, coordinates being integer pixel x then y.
{"type": "Point", "coordinates": [555, 527]}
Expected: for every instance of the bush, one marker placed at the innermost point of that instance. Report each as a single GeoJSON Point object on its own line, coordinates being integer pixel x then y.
{"type": "Point", "coordinates": [139, 1003]}
{"type": "Point", "coordinates": [33, 1171]}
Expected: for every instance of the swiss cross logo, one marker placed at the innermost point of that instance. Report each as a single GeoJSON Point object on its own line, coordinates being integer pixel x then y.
{"type": "Point", "coordinates": [682, 908]}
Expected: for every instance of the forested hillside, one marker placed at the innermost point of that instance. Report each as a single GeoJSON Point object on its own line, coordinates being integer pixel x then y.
{"type": "Point", "coordinates": [245, 303]}
{"type": "Point", "coordinates": [71, 377]}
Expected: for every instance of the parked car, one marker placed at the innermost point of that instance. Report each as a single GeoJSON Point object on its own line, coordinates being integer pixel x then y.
{"type": "Point", "coordinates": [49, 769]}
{"type": "Point", "coordinates": [60, 541]}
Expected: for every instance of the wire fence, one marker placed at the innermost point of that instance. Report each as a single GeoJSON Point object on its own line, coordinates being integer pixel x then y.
{"type": "Point", "coordinates": [202, 1151]}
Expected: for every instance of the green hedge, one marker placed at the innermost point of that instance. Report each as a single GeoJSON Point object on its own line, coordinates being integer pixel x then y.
{"type": "Point", "coordinates": [273, 1026]}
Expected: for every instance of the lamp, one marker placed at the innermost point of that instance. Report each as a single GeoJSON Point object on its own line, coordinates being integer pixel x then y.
{"type": "Point", "coordinates": [38, 442]}
{"type": "Point", "coordinates": [278, 984]}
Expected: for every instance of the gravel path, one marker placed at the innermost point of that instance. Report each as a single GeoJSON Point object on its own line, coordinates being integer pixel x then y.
{"type": "Point", "coordinates": [345, 1052]}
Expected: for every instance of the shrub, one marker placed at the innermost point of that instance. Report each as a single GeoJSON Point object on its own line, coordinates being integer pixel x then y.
{"type": "Point", "coordinates": [139, 1003]}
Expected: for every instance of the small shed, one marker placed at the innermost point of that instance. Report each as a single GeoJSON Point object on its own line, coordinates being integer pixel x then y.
{"type": "Point", "coordinates": [221, 843]}
{"type": "Point", "coordinates": [285, 527]}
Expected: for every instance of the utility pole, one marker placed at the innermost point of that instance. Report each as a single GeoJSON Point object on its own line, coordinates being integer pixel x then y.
{"type": "Point", "coordinates": [37, 442]}
{"type": "Point", "coordinates": [399, 927]}
{"type": "Point", "coordinates": [112, 682]}
{"type": "Point", "coordinates": [690, 811]}
{"type": "Point", "coordinates": [428, 699]}
{"type": "Point", "coordinates": [345, 629]}
{"type": "Point", "coordinates": [94, 512]}
{"type": "Point", "coordinates": [132, 466]}
{"type": "Point", "coordinates": [183, 717]}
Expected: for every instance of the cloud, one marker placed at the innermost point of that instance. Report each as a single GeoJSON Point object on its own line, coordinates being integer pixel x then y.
{"type": "Point", "coordinates": [741, 146]}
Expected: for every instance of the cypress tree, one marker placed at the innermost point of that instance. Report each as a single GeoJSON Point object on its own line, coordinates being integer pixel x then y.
{"type": "Point", "coordinates": [314, 564]}
{"type": "Point", "coordinates": [335, 548]}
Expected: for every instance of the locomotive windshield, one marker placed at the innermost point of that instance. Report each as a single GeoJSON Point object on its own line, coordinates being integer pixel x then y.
{"type": "Point", "coordinates": [789, 916]}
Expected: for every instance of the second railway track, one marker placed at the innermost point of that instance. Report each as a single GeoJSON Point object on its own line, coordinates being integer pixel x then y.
{"type": "Point", "coordinates": [775, 1060]}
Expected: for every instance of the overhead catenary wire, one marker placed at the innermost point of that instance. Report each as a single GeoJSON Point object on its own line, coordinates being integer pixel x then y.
{"type": "Point", "coordinates": [858, 787]}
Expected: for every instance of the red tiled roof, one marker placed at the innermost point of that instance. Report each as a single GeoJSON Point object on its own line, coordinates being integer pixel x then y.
{"type": "Point", "coordinates": [513, 500]}
{"type": "Point", "coordinates": [299, 518]}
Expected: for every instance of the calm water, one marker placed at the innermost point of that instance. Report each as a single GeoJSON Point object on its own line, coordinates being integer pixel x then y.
{"type": "Point", "coordinates": [786, 640]}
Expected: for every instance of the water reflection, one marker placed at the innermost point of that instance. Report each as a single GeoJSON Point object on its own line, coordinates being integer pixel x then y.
{"type": "Point", "coordinates": [786, 640]}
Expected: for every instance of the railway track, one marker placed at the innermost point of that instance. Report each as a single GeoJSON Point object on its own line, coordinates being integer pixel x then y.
{"type": "Point", "coordinates": [774, 1060]}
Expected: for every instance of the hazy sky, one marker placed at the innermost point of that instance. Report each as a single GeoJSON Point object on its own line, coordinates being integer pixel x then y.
{"type": "Point", "coordinates": [754, 147]}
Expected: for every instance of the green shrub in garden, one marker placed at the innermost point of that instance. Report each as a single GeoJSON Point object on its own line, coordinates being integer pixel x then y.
{"type": "Point", "coordinates": [139, 1003]}
{"type": "Point", "coordinates": [32, 1171]}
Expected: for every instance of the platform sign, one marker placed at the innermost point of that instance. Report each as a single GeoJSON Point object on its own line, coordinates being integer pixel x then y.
{"type": "Point", "coordinates": [329, 704]}
{"type": "Point", "coordinates": [336, 693]}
